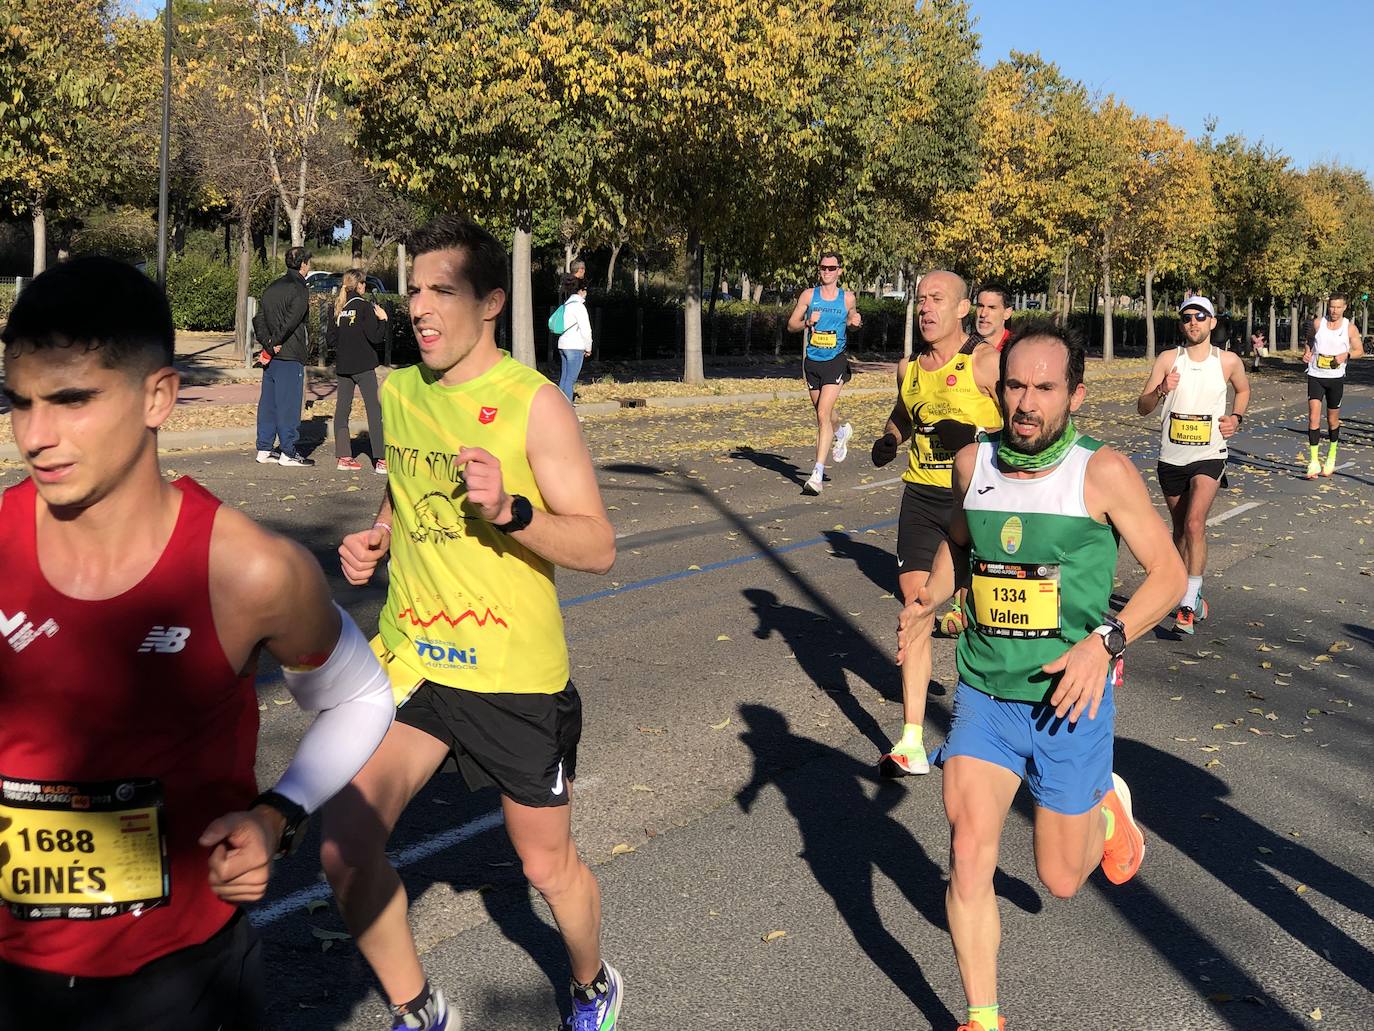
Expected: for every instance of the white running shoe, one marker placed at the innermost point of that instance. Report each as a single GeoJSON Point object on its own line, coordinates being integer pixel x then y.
{"type": "Point", "coordinates": [296, 459]}
{"type": "Point", "coordinates": [840, 450]}
{"type": "Point", "coordinates": [813, 485]}
{"type": "Point", "coordinates": [268, 456]}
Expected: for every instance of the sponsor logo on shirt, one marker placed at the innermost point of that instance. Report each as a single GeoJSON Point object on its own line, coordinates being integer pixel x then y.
{"type": "Point", "coordinates": [165, 639]}
{"type": "Point", "coordinates": [21, 632]}
{"type": "Point", "coordinates": [486, 416]}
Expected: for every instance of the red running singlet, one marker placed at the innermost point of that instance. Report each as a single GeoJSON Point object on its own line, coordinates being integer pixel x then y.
{"type": "Point", "coordinates": [124, 732]}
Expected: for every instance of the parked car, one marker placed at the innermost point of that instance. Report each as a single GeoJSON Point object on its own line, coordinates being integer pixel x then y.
{"type": "Point", "coordinates": [328, 282]}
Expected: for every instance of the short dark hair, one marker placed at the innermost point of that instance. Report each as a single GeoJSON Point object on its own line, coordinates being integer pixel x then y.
{"type": "Point", "coordinates": [831, 254]}
{"type": "Point", "coordinates": [995, 288]}
{"type": "Point", "coordinates": [296, 257]}
{"type": "Point", "coordinates": [484, 258]}
{"type": "Point", "coordinates": [1073, 343]}
{"type": "Point", "coordinates": [572, 284]}
{"type": "Point", "coordinates": [99, 304]}
{"type": "Point", "coordinates": [1338, 296]}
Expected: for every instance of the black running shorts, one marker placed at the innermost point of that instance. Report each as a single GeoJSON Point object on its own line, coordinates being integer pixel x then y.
{"type": "Point", "coordinates": [216, 985]}
{"type": "Point", "coordinates": [922, 525]}
{"type": "Point", "coordinates": [523, 744]}
{"type": "Point", "coordinates": [832, 370]}
{"type": "Point", "coordinates": [1332, 391]}
{"type": "Point", "coordinates": [1174, 480]}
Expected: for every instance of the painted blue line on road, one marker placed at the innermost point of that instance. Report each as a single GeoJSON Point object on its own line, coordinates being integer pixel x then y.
{"type": "Point", "coordinates": [713, 567]}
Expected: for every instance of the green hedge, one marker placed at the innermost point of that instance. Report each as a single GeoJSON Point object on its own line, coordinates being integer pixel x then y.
{"type": "Point", "coordinates": [202, 291]}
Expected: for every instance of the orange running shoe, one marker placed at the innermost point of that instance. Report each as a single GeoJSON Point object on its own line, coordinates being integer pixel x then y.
{"type": "Point", "coordinates": [975, 1026]}
{"type": "Point", "coordinates": [1122, 853]}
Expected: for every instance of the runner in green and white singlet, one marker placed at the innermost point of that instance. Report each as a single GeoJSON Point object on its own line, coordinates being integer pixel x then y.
{"type": "Point", "coordinates": [1037, 513]}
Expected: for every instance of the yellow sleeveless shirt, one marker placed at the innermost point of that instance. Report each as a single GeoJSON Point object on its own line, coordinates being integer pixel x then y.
{"type": "Point", "coordinates": [950, 392]}
{"type": "Point", "coordinates": [468, 606]}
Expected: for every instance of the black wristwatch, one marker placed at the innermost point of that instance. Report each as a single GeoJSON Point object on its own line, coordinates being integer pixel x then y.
{"type": "Point", "coordinates": [521, 512]}
{"type": "Point", "coordinates": [296, 818]}
{"type": "Point", "coordinates": [1113, 634]}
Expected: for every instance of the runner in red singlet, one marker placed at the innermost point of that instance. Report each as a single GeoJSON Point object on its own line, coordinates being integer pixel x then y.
{"type": "Point", "coordinates": [132, 614]}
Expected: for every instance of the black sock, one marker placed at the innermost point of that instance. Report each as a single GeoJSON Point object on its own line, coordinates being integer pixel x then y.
{"type": "Point", "coordinates": [599, 986]}
{"type": "Point", "coordinates": [1333, 435]}
{"type": "Point", "coordinates": [426, 1010]}
{"type": "Point", "coordinates": [1314, 437]}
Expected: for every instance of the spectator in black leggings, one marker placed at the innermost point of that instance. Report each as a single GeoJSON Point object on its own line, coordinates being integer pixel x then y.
{"type": "Point", "coordinates": [354, 334]}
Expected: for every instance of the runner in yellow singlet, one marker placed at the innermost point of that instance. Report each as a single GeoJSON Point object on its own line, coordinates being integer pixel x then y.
{"type": "Point", "coordinates": [946, 394]}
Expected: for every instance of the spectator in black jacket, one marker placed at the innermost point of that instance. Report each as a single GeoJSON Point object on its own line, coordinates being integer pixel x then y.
{"type": "Point", "coordinates": [354, 333]}
{"type": "Point", "coordinates": [285, 308]}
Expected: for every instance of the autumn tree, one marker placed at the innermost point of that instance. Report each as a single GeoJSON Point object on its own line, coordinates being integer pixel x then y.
{"type": "Point", "coordinates": [65, 108]}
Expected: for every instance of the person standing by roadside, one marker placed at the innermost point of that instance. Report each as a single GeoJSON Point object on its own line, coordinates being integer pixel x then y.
{"type": "Point", "coordinates": [285, 308]}
{"type": "Point", "coordinates": [575, 342]}
{"type": "Point", "coordinates": [354, 333]}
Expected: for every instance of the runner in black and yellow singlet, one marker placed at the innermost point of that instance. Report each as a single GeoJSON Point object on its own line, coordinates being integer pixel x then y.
{"type": "Point", "coordinates": [945, 396]}
{"type": "Point", "coordinates": [490, 487]}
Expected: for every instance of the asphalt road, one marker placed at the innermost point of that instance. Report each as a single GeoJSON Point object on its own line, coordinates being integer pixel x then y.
{"type": "Point", "coordinates": [737, 677]}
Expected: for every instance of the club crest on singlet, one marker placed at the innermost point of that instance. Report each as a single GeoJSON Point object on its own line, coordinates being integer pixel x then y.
{"type": "Point", "coordinates": [1012, 531]}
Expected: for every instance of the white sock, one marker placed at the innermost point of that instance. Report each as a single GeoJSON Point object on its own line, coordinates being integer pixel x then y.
{"type": "Point", "coordinates": [819, 471]}
{"type": "Point", "coordinates": [1190, 596]}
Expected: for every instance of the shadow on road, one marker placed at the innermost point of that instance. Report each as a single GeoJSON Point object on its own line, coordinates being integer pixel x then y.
{"type": "Point", "coordinates": [847, 836]}
{"type": "Point", "coordinates": [775, 463]}
{"type": "Point", "coordinates": [1186, 806]}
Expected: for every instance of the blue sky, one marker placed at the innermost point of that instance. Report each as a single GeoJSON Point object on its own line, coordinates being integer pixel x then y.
{"type": "Point", "coordinates": [1288, 73]}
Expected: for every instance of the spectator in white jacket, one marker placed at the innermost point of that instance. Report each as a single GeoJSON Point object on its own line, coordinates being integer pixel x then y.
{"type": "Point", "coordinates": [575, 343]}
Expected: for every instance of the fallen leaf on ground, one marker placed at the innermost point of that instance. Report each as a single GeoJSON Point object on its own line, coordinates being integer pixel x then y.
{"type": "Point", "coordinates": [622, 849]}
{"type": "Point", "coordinates": [722, 724]}
{"type": "Point", "coordinates": [773, 936]}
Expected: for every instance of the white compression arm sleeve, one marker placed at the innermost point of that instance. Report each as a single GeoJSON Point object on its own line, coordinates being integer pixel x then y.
{"type": "Point", "coordinates": [352, 695]}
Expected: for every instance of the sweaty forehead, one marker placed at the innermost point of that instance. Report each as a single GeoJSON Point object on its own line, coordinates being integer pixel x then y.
{"type": "Point", "coordinates": [1038, 361]}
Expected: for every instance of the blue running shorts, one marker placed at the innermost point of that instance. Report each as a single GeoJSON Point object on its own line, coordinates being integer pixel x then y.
{"type": "Point", "coordinates": [1067, 766]}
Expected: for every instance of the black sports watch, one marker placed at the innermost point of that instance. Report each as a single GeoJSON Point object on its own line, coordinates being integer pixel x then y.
{"type": "Point", "coordinates": [521, 512]}
{"type": "Point", "coordinates": [296, 817]}
{"type": "Point", "coordinates": [1113, 634]}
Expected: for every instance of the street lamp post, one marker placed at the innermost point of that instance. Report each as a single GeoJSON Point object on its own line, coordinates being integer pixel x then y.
{"type": "Point", "coordinates": [162, 148]}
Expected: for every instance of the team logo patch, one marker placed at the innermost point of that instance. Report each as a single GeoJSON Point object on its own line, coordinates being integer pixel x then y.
{"type": "Point", "coordinates": [951, 380]}
{"type": "Point", "coordinates": [486, 416]}
{"type": "Point", "coordinates": [1011, 534]}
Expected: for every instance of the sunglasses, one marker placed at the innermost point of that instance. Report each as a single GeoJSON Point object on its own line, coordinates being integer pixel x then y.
{"type": "Point", "coordinates": [1193, 316]}
{"type": "Point", "coordinates": [829, 268]}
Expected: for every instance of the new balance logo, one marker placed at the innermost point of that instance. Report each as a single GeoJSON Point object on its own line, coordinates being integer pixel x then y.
{"type": "Point", "coordinates": [984, 490]}
{"type": "Point", "coordinates": [165, 639]}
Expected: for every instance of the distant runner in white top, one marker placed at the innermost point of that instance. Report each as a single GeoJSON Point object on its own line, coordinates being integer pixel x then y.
{"type": "Point", "coordinates": [1191, 383]}
{"type": "Point", "coordinates": [1334, 341]}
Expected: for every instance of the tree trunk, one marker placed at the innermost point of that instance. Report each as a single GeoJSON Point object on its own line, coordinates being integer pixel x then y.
{"type": "Point", "coordinates": [1150, 312]}
{"type": "Point", "coordinates": [1364, 320]}
{"type": "Point", "coordinates": [746, 290]}
{"type": "Point", "coordinates": [1068, 297]}
{"type": "Point", "coordinates": [241, 332]}
{"type": "Point", "coordinates": [260, 246]}
{"type": "Point", "coordinates": [569, 255]}
{"type": "Point", "coordinates": [522, 300]}
{"type": "Point", "coordinates": [758, 293]}
{"type": "Point", "coordinates": [636, 275]}
{"type": "Point", "coordinates": [1273, 327]}
{"type": "Point", "coordinates": [40, 237]}
{"type": "Point", "coordinates": [1108, 341]}
{"type": "Point", "coordinates": [711, 307]}
{"type": "Point", "coordinates": [610, 269]}
{"type": "Point", "coordinates": [228, 245]}
{"type": "Point", "coordinates": [357, 247]}
{"type": "Point", "coordinates": [909, 330]}
{"type": "Point", "coordinates": [1293, 325]}
{"type": "Point", "coordinates": [692, 369]}
{"type": "Point", "coordinates": [401, 287]}
{"type": "Point", "coordinates": [1249, 318]}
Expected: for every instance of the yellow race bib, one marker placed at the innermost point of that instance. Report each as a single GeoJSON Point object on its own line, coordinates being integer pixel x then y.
{"type": "Point", "coordinates": [929, 452]}
{"type": "Point", "coordinates": [82, 851]}
{"type": "Point", "coordinates": [1327, 361]}
{"type": "Point", "coordinates": [824, 339]}
{"type": "Point", "coordinates": [1015, 600]}
{"type": "Point", "coordinates": [1190, 430]}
